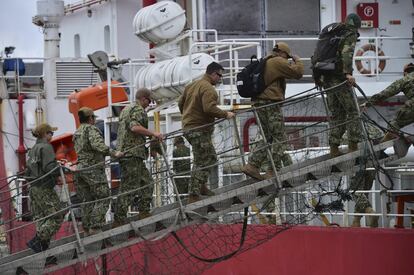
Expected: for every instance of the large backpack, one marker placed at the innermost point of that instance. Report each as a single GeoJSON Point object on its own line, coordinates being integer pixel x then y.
{"type": "Point", "coordinates": [326, 53]}
{"type": "Point", "coordinates": [250, 81]}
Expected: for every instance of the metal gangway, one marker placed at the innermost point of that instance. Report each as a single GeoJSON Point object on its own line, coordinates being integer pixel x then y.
{"type": "Point", "coordinates": [171, 217]}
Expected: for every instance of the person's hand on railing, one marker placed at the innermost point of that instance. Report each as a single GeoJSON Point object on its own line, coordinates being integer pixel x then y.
{"type": "Point", "coordinates": [351, 79]}
{"type": "Point", "coordinates": [363, 107]}
{"type": "Point", "coordinates": [158, 136]}
{"type": "Point", "coordinates": [118, 154]}
{"type": "Point", "coordinates": [230, 115]}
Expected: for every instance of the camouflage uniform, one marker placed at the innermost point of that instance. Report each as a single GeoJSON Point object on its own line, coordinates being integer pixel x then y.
{"type": "Point", "coordinates": [134, 173]}
{"type": "Point", "coordinates": [271, 118]}
{"type": "Point", "coordinates": [91, 184]}
{"type": "Point", "coordinates": [43, 199]}
{"type": "Point", "coordinates": [364, 179]}
{"type": "Point", "coordinates": [182, 167]}
{"type": "Point", "coordinates": [204, 155]}
{"type": "Point", "coordinates": [405, 115]}
{"type": "Point", "coordinates": [277, 70]}
{"type": "Point", "coordinates": [341, 102]}
{"type": "Point", "coordinates": [198, 106]}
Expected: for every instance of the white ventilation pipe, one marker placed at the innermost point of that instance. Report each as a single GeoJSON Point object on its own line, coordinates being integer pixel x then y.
{"type": "Point", "coordinates": [49, 15]}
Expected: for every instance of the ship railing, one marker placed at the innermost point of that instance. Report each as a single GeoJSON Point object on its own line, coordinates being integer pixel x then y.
{"type": "Point", "coordinates": [219, 48]}
{"type": "Point", "coordinates": [380, 45]}
{"type": "Point", "coordinates": [14, 83]}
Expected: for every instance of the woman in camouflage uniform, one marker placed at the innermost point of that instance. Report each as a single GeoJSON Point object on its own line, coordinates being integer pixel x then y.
{"type": "Point", "coordinates": [42, 171]}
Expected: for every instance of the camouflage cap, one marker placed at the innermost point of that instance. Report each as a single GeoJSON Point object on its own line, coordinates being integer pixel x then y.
{"type": "Point", "coordinates": [354, 20]}
{"type": "Point", "coordinates": [143, 92]}
{"type": "Point", "coordinates": [43, 129]}
{"type": "Point", "coordinates": [86, 112]}
{"type": "Point", "coordinates": [408, 68]}
{"type": "Point", "coordinates": [282, 46]}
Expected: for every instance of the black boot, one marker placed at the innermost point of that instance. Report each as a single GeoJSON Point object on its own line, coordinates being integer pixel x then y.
{"type": "Point", "coordinates": [37, 244]}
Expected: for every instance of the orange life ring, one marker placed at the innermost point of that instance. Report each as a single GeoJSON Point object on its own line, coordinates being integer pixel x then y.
{"type": "Point", "coordinates": [358, 63]}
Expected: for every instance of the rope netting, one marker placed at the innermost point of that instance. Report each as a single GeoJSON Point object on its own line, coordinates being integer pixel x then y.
{"type": "Point", "coordinates": [191, 241]}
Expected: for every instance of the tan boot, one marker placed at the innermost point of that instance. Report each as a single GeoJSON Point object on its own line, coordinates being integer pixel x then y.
{"type": "Point", "coordinates": [252, 171]}
{"type": "Point", "coordinates": [372, 221]}
{"type": "Point", "coordinates": [193, 198]}
{"type": "Point", "coordinates": [335, 151]}
{"type": "Point", "coordinates": [388, 136]}
{"type": "Point", "coordinates": [352, 147]}
{"type": "Point", "coordinates": [205, 191]}
{"type": "Point", "coordinates": [357, 221]}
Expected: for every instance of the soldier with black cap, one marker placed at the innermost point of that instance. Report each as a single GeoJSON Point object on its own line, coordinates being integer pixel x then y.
{"type": "Point", "coordinates": [277, 70]}
{"type": "Point", "coordinates": [42, 171]}
{"type": "Point", "coordinates": [91, 182]}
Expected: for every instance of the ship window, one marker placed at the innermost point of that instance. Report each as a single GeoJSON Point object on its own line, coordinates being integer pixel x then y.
{"type": "Point", "coordinates": [77, 45]}
{"type": "Point", "coordinates": [107, 39]}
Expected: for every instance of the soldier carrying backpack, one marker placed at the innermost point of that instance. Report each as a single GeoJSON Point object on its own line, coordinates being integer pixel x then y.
{"type": "Point", "coordinates": [332, 65]}
{"type": "Point", "coordinates": [277, 69]}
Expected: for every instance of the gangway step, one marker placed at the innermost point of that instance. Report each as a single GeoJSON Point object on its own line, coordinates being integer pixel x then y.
{"type": "Point", "coordinates": [247, 192]}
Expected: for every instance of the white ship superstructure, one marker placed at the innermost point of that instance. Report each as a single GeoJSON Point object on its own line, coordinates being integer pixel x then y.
{"type": "Point", "coordinates": [165, 46]}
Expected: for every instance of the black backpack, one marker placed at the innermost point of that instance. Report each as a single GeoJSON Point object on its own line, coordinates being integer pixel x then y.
{"type": "Point", "coordinates": [250, 81]}
{"type": "Point", "coordinates": [326, 54]}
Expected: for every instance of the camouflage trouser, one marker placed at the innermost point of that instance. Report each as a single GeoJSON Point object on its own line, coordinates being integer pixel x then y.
{"type": "Point", "coordinates": [182, 185]}
{"type": "Point", "coordinates": [362, 180]}
{"type": "Point", "coordinates": [92, 185]}
{"type": "Point", "coordinates": [405, 115]}
{"type": "Point", "coordinates": [134, 174]}
{"type": "Point", "coordinates": [344, 113]}
{"type": "Point", "coordinates": [271, 119]}
{"type": "Point", "coordinates": [204, 155]}
{"type": "Point", "coordinates": [43, 202]}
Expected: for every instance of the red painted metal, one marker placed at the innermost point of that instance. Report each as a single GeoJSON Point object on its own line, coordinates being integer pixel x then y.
{"type": "Point", "coordinates": [146, 3]}
{"type": "Point", "coordinates": [21, 149]}
{"type": "Point", "coordinates": [326, 250]}
{"type": "Point", "coordinates": [343, 10]}
{"type": "Point", "coordinates": [252, 121]}
{"type": "Point", "coordinates": [21, 152]}
{"type": "Point", "coordinates": [246, 127]}
{"type": "Point", "coordinates": [389, 104]}
{"type": "Point", "coordinates": [300, 250]}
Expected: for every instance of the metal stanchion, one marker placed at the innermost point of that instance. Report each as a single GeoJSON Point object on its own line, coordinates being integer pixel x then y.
{"type": "Point", "coordinates": [367, 141]}
{"type": "Point", "coordinates": [171, 177]}
{"type": "Point", "coordinates": [72, 215]}
{"type": "Point", "coordinates": [239, 143]}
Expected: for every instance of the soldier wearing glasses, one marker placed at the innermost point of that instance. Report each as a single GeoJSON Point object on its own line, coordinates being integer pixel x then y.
{"type": "Point", "coordinates": [198, 106]}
